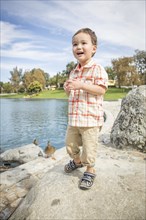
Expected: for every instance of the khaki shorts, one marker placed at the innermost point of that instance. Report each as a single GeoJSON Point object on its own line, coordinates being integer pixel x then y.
{"type": "Point", "coordinates": [85, 137]}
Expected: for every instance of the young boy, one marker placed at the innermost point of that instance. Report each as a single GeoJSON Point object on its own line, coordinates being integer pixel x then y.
{"type": "Point", "coordinates": [85, 87]}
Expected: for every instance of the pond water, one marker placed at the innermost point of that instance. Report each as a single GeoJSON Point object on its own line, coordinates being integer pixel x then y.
{"type": "Point", "coordinates": [23, 120]}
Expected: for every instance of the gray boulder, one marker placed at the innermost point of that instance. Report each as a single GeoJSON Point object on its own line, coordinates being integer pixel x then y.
{"type": "Point", "coordinates": [117, 193]}
{"type": "Point", "coordinates": [22, 154]}
{"type": "Point", "coordinates": [129, 128]}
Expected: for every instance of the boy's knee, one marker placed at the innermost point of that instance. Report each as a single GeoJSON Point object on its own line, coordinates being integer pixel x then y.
{"type": "Point", "coordinates": [73, 153]}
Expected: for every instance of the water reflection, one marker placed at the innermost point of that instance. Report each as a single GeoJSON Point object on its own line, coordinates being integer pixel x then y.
{"type": "Point", "coordinates": [24, 120]}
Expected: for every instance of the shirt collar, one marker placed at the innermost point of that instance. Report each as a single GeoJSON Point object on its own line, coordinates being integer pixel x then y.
{"type": "Point", "coordinates": [88, 65]}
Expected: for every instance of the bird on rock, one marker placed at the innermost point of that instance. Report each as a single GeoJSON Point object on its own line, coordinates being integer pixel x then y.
{"type": "Point", "coordinates": [35, 142]}
{"type": "Point", "coordinates": [50, 150]}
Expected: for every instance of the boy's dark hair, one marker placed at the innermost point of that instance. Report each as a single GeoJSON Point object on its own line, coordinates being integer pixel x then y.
{"type": "Point", "coordinates": [90, 32]}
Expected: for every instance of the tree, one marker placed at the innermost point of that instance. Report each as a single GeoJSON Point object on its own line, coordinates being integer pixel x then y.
{"type": "Point", "coordinates": [69, 67]}
{"type": "Point", "coordinates": [34, 75]}
{"type": "Point", "coordinates": [39, 75]}
{"type": "Point", "coordinates": [34, 87]}
{"type": "Point", "coordinates": [110, 72]}
{"type": "Point", "coordinates": [140, 62]}
{"type": "Point", "coordinates": [27, 79]}
{"type": "Point", "coordinates": [1, 87]}
{"type": "Point", "coordinates": [7, 87]}
{"type": "Point", "coordinates": [47, 77]}
{"type": "Point", "coordinates": [125, 71]}
{"type": "Point", "coordinates": [53, 80]}
{"type": "Point", "coordinates": [60, 79]}
{"type": "Point", "coordinates": [16, 78]}
{"type": "Point", "coordinates": [21, 89]}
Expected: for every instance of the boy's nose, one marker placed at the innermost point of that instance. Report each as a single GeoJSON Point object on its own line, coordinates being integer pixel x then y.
{"type": "Point", "coordinates": [79, 46]}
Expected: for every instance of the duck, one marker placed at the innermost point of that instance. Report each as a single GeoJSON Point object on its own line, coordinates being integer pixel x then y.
{"type": "Point", "coordinates": [50, 150]}
{"type": "Point", "coordinates": [35, 142]}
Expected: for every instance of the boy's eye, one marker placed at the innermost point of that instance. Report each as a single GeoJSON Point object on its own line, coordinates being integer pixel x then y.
{"type": "Point", "coordinates": [74, 45]}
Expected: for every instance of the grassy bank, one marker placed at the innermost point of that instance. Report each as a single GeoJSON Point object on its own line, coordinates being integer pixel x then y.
{"type": "Point", "coordinates": [112, 94]}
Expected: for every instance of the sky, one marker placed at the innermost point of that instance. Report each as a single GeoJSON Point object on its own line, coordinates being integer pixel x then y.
{"type": "Point", "coordinates": [38, 33]}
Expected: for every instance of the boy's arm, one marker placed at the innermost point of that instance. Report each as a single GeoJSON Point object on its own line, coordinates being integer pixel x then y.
{"type": "Point", "coordinates": [92, 89]}
{"type": "Point", "coordinates": [65, 86]}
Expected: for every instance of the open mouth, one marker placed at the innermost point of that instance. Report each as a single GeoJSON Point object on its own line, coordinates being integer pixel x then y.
{"type": "Point", "coordinates": [80, 53]}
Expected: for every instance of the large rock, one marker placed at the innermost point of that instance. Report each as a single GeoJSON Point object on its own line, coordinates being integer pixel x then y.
{"type": "Point", "coordinates": [111, 110]}
{"type": "Point", "coordinates": [22, 154]}
{"type": "Point", "coordinates": [16, 182]}
{"type": "Point", "coordinates": [129, 128]}
{"type": "Point", "coordinates": [117, 193]}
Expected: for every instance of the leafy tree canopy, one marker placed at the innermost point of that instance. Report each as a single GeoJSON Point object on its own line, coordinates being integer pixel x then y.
{"type": "Point", "coordinates": [34, 87]}
{"type": "Point", "coordinates": [140, 61]}
{"type": "Point", "coordinates": [125, 71]}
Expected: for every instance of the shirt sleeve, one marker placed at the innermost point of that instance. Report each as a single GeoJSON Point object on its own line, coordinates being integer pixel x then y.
{"type": "Point", "coordinates": [101, 78]}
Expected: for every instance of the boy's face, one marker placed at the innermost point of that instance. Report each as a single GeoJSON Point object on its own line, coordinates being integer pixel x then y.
{"type": "Point", "coordinates": [82, 47]}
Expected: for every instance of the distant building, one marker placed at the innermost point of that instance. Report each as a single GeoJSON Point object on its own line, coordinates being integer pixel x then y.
{"type": "Point", "coordinates": [111, 82]}
{"type": "Point", "coordinates": [52, 88]}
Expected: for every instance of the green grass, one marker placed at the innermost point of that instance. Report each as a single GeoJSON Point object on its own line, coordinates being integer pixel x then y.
{"type": "Point", "coordinates": [12, 95]}
{"type": "Point", "coordinates": [112, 94]}
{"type": "Point", "coordinates": [56, 94]}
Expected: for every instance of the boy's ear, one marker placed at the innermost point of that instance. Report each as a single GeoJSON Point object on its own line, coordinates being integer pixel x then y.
{"type": "Point", "coordinates": [94, 48]}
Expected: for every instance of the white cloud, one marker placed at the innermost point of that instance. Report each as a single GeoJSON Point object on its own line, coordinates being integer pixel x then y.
{"type": "Point", "coordinates": [121, 22]}
{"type": "Point", "coordinates": [118, 22]}
{"type": "Point", "coordinates": [17, 43]}
{"type": "Point", "coordinates": [11, 32]}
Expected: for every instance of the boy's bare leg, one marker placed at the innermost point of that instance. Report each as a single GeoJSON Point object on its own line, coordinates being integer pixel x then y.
{"type": "Point", "coordinates": [90, 169]}
{"type": "Point", "coordinates": [77, 160]}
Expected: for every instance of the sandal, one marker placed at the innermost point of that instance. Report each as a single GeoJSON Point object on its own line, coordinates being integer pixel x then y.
{"type": "Point", "coordinates": [87, 180]}
{"type": "Point", "coordinates": [71, 166]}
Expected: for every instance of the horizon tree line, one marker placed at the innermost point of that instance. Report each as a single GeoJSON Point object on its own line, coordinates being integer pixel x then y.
{"type": "Point", "coordinates": [126, 71]}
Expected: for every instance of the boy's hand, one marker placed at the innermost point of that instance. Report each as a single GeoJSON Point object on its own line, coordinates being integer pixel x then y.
{"type": "Point", "coordinates": [74, 84]}
{"type": "Point", "coordinates": [65, 86]}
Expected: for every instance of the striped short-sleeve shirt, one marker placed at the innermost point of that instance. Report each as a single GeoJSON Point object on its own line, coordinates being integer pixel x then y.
{"type": "Point", "coordinates": [85, 109]}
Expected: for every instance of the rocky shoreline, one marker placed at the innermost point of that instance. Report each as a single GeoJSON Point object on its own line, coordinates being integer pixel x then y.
{"type": "Point", "coordinates": [16, 182]}
{"type": "Point", "coordinates": [120, 172]}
